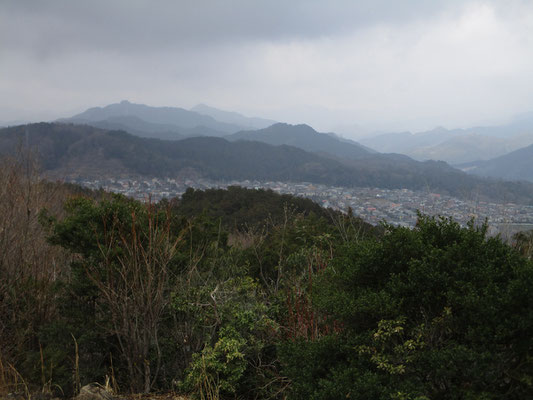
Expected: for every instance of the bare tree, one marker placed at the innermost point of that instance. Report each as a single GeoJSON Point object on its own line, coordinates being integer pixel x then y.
{"type": "Point", "coordinates": [29, 266]}
{"type": "Point", "coordinates": [135, 286]}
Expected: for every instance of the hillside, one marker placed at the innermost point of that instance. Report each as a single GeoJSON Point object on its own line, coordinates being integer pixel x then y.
{"type": "Point", "coordinates": [241, 209]}
{"type": "Point", "coordinates": [67, 150]}
{"type": "Point", "coordinates": [517, 165]}
{"type": "Point", "coordinates": [306, 138]}
{"type": "Point", "coordinates": [233, 117]}
{"type": "Point", "coordinates": [138, 127]}
{"type": "Point", "coordinates": [404, 142]}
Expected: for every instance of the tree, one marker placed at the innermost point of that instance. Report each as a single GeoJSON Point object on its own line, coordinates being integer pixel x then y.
{"type": "Point", "coordinates": [523, 242]}
{"type": "Point", "coordinates": [439, 311]}
{"type": "Point", "coordinates": [30, 268]}
{"type": "Point", "coordinates": [126, 251]}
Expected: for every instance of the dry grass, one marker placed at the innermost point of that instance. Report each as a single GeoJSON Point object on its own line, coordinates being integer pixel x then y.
{"type": "Point", "coordinates": [11, 381]}
{"type": "Point", "coordinates": [164, 396]}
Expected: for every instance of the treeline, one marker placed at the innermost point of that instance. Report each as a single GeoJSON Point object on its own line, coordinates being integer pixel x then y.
{"type": "Point", "coordinates": [248, 294]}
{"type": "Point", "coordinates": [240, 208]}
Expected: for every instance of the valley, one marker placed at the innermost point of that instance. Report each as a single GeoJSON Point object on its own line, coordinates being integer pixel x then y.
{"type": "Point", "coordinates": [374, 205]}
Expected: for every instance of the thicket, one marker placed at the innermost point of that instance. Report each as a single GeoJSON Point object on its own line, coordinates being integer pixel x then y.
{"type": "Point", "coordinates": [248, 294]}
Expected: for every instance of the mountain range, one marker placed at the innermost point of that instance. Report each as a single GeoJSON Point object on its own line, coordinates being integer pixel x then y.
{"type": "Point", "coordinates": [458, 146]}
{"type": "Point", "coordinates": [175, 117]}
{"type": "Point", "coordinates": [170, 123]}
{"type": "Point", "coordinates": [392, 167]}
{"type": "Point", "coordinates": [69, 150]}
{"type": "Point", "coordinates": [167, 122]}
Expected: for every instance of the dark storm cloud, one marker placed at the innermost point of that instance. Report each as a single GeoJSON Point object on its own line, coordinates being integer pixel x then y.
{"type": "Point", "coordinates": [47, 27]}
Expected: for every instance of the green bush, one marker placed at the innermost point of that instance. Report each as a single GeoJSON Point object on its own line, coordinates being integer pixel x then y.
{"type": "Point", "coordinates": [439, 311]}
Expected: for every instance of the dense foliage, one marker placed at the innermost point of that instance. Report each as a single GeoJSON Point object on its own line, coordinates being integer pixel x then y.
{"type": "Point", "coordinates": [240, 208]}
{"type": "Point", "coordinates": [248, 294]}
{"type": "Point", "coordinates": [439, 311]}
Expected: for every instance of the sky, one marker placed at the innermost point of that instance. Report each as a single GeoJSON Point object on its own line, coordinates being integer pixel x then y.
{"type": "Point", "coordinates": [346, 66]}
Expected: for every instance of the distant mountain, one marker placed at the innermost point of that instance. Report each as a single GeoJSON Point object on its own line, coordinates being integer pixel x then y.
{"type": "Point", "coordinates": [471, 147]}
{"type": "Point", "coordinates": [82, 150]}
{"type": "Point", "coordinates": [305, 138]}
{"type": "Point", "coordinates": [517, 165]}
{"type": "Point", "coordinates": [405, 142]}
{"type": "Point", "coordinates": [139, 127]}
{"type": "Point", "coordinates": [463, 148]}
{"type": "Point", "coordinates": [67, 150]}
{"type": "Point", "coordinates": [177, 117]}
{"type": "Point", "coordinates": [458, 146]}
{"type": "Point", "coordinates": [520, 125]}
{"type": "Point", "coordinates": [350, 141]}
{"type": "Point", "coordinates": [233, 117]}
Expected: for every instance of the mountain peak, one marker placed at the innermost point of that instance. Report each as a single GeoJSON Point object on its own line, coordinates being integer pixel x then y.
{"type": "Point", "coordinates": [298, 127]}
{"type": "Point", "coordinates": [304, 137]}
{"type": "Point", "coordinates": [175, 116]}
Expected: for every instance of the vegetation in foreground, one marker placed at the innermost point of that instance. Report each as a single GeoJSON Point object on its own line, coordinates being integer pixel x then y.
{"type": "Point", "coordinates": [248, 294]}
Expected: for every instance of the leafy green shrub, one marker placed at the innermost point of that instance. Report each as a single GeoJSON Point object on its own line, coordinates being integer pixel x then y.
{"type": "Point", "coordinates": [439, 311]}
{"type": "Point", "coordinates": [231, 361]}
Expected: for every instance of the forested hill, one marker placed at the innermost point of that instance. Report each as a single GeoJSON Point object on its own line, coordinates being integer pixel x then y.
{"type": "Point", "coordinates": [515, 165]}
{"type": "Point", "coordinates": [244, 209]}
{"type": "Point", "coordinates": [79, 150]}
{"type": "Point", "coordinates": [306, 138]}
{"type": "Point", "coordinates": [239, 207]}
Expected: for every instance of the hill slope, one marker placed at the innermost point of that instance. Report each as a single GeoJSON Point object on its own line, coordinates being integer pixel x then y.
{"type": "Point", "coordinates": [80, 150]}
{"type": "Point", "coordinates": [233, 117]}
{"type": "Point", "coordinates": [517, 165]}
{"type": "Point", "coordinates": [305, 138]}
{"type": "Point", "coordinates": [138, 127]}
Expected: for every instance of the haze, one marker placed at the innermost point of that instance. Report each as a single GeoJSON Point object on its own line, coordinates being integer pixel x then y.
{"type": "Point", "coordinates": [345, 66]}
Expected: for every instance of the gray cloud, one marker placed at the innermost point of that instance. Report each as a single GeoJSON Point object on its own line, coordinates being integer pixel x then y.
{"type": "Point", "coordinates": [384, 64]}
{"type": "Point", "coordinates": [130, 25]}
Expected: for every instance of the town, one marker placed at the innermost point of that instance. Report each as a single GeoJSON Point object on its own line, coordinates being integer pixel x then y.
{"type": "Point", "coordinates": [394, 206]}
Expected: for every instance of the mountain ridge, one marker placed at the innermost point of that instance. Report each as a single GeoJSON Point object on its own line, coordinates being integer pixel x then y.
{"type": "Point", "coordinates": [304, 137]}
{"type": "Point", "coordinates": [458, 146]}
{"type": "Point", "coordinates": [176, 116]}
{"type": "Point", "coordinates": [516, 165]}
{"type": "Point", "coordinates": [68, 150]}
{"type": "Point", "coordinates": [232, 117]}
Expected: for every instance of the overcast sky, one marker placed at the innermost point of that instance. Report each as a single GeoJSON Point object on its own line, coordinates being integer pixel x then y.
{"type": "Point", "coordinates": [389, 65]}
